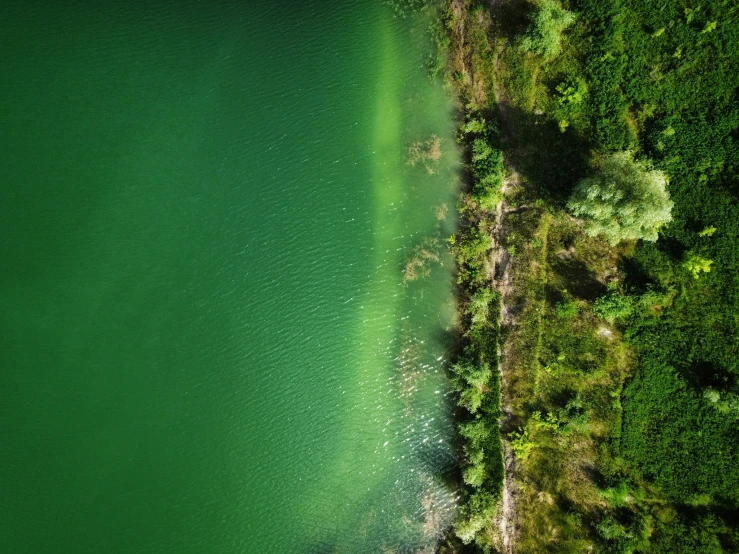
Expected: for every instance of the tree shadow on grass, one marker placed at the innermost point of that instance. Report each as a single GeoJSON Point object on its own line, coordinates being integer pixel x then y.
{"type": "Point", "coordinates": [553, 295]}
{"type": "Point", "coordinates": [672, 248]}
{"type": "Point", "coordinates": [578, 279]}
{"type": "Point", "coordinates": [637, 279]}
{"type": "Point", "coordinates": [551, 162]}
{"type": "Point", "coordinates": [511, 18]}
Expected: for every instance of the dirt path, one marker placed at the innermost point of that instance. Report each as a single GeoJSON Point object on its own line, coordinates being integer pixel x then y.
{"type": "Point", "coordinates": [505, 519]}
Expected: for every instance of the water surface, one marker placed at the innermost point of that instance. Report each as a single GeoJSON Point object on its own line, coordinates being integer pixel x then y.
{"type": "Point", "coordinates": [208, 341]}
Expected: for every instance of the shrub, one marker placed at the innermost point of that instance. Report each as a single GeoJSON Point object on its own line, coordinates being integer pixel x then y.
{"type": "Point", "coordinates": [618, 496]}
{"type": "Point", "coordinates": [613, 305]}
{"type": "Point", "coordinates": [470, 249]}
{"type": "Point", "coordinates": [471, 381]}
{"type": "Point", "coordinates": [521, 443]}
{"type": "Point", "coordinates": [474, 475]}
{"type": "Point", "coordinates": [487, 168]}
{"type": "Point", "coordinates": [566, 309]}
{"type": "Point", "coordinates": [655, 301]}
{"type": "Point", "coordinates": [480, 305]}
{"type": "Point", "coordinates": [475, 125]}
{"type": "Point", "coordinates": [486, 160]}
{"type": "Point", "coordinates": [696, 265]}
{"type": "Point", "coordinates": [479, 510]}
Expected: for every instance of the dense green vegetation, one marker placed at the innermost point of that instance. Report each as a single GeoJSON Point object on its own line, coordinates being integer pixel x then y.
{"type": "Point", "coordinates": [665, 83]}
{"type": "Point", "coordinates": [620, 352]}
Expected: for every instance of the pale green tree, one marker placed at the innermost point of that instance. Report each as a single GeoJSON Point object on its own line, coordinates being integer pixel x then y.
{"type": "Point", "coordinates": [544, 35]}
{"type": "Point", "coordinates": [625, 200]}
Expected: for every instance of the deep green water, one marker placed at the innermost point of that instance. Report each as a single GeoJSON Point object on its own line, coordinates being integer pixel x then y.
{"type": "Point", "coordinates": [207, 342]}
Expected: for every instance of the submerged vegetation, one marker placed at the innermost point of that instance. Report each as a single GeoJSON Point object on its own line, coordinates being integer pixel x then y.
{"type": "Point", "coordinates": [427, 152]}
{"type": "Point", "coordinates": [423, 255]}
{"type": "Point", "coordinates": [597, 264]}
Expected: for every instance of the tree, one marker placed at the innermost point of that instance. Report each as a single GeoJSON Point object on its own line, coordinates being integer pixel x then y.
{"type": "Point", "coordinates": [471, 380]}
{"type": "Point", "coordinates": [544, 35]}
{"type": "Point", "coordinates": [625, 200]}
{"type": "Point", "coordinates": [480, 305]}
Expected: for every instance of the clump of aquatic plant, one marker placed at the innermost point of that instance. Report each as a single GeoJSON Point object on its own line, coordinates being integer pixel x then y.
{"type": "Point", "coordinates": [427, 152]}
{"type": "Point", "coordinates": [423, 255]}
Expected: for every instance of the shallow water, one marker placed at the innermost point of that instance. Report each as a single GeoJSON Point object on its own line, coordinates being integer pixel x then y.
{"type": "Point", "coordinates": [208, 341]}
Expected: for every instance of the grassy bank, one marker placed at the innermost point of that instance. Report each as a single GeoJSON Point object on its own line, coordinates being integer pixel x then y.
{"type": "Point", "coordinates": [476, 375]}
{"type": "Point", "coordinates": [618, 358]}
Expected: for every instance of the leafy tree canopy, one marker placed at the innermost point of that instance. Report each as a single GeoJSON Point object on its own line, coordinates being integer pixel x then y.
{"type": "Point", "coordinates": [544, 35]}
{"type": "Point", "coordinates": [625, 200]}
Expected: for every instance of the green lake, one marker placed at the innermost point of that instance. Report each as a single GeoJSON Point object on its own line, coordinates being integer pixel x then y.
{"type": "Point", "coordinates": [209, 343]}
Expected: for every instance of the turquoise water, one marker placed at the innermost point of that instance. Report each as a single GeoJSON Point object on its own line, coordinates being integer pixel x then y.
{"type": "Point", "coordinates": [209, 344]}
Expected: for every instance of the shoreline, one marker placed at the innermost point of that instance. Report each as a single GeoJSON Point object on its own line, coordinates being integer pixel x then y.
{"type": "Point", "coordinates": [482, 272]}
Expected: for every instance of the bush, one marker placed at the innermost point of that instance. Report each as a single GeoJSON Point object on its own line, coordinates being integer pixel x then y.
{"type": "Point", "coordinates": [471, 380]}
{"type": "Point", "coordinates": [566, 309]}
{"type": "Point", "coordinates": [487, 168]}
{"type": "Point", "coordinates": [479, 510]}
{"type": "Point", "coordinates": [479, 306]}
{"type": "Point", "coordinates": [613, 305]}
{"type": "Point", "coordinates": [485, 159]}
{"type": "Point", "coordinates": [470, 249]}
{"type": "Point", "coordinates": [474, 475]}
